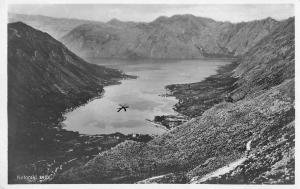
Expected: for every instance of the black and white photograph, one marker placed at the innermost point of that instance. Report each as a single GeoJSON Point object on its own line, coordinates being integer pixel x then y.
{"type": "Point", "coordinates": [149, 93]}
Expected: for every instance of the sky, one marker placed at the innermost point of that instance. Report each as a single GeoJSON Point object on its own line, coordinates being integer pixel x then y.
{"type": "Point", "coordinates": [146, 13]}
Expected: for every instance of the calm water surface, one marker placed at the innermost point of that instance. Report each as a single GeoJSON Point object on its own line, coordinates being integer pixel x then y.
{"type": "Point", "coordinates": [100, 116]}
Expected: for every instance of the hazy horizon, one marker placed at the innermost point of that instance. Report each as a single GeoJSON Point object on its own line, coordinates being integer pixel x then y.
{"type": "Point", "coordinates": [106, 12]}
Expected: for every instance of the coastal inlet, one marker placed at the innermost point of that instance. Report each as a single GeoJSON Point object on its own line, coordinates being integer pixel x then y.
{"type": "Point", "coordinates": [144, 95]}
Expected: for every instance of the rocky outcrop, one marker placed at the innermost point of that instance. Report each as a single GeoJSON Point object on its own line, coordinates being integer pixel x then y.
{"type": "Point", "coordinates": [176, 37]}
{"type": "Point", "coordinates": [263, 113]}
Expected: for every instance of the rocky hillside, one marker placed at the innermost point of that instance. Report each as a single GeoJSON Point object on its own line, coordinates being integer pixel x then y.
{"type": "Point", "coordinates": [261, 110]}
{"type": "Point", "coordinates": [44, 80]}
{"type": "Point", "coordinates": [56, 27]}
{"type": "Point", "coordinates": [269, 63]}
{"type": "Point", "coordinates": [179, 37]}
{"type": "Point", "coordinates": [256, 71]}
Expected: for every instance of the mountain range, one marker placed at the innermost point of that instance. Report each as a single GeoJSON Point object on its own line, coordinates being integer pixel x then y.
{"type": "Point", "coordinates": [261, 108]}
{"type": "Point", "coordinates": [175, 37]}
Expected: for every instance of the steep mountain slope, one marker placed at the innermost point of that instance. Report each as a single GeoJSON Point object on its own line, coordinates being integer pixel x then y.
{"type": "Point", "coordinates": [179, 36]}
{"type": "Point", "coordinates": [269, 63]}
{"type": "Point", "coordinates": [56, 27]}
{"type": "Point", "coordinates": [264, 113]}
{"type": "Point", "coordinates": [255, 72]}
{"type": "Point", "coordinates": [44, 80]}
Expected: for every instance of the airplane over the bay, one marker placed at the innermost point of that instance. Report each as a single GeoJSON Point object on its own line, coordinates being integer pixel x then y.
{"type": "Point", "coordinates": [122, 106]}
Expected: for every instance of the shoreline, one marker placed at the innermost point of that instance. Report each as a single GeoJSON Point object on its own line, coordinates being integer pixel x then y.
{"type": "Point", "coordinates": [28, 168]}
{"type": "Point", "coordinates": [204, 94]}
{"type": "Point", "coordinates": [195, 98]}
{"type": "Point", "coordinates": [163, 59]}
{"type": "Point", "coordinates": [100, 94]}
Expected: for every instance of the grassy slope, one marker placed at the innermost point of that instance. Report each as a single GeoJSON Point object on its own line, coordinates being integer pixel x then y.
{"type": "Point", "coordinates": [263, 108]}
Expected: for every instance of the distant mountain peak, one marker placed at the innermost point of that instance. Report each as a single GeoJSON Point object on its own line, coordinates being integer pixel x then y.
{"type": "Point", "coordinates": [182, 17]}
{"type": "Point", "coordinates": [270, 19]}
{"type": "Point", "coordinates": [114, 21]}
{"type": "Point", "coordinates": [19, 23]}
